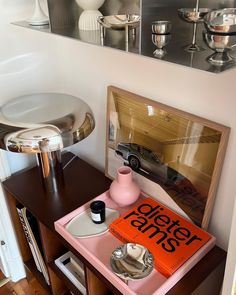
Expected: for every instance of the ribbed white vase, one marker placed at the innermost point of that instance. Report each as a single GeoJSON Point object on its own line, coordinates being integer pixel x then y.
{"type": "Point", "coordinates": [88, 18]}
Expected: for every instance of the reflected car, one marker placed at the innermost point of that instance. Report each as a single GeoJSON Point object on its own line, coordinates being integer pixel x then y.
{"type": "Point", "coordinates": [140, 157]}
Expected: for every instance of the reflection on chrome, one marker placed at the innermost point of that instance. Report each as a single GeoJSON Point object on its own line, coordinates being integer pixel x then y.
{"type": "Point", "coordinates": [43, 124]}
{"type": "Point", "coordinates": [19, 64]}
{"type": "Point", "coordinates": [132, 261]}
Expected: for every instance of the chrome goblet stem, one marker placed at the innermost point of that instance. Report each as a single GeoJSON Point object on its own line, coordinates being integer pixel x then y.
{"type": "Point", "coordinates": [197, 5]}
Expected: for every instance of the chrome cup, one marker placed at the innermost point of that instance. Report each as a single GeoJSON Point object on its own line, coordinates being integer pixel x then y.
{"type": "Point", "coordinates": [160, 41]}
{"type": "Point", "coordinates": [161, 27]}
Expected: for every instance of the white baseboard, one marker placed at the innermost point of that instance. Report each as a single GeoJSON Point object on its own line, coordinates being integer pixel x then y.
{"type": "Point", "coordinates": [16, 269]}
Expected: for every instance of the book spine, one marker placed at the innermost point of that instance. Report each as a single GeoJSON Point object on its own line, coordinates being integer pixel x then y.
{"type": "Point", "coordinates": [29, 240]}
{"type": "Point", "coordinates": [35, 247]}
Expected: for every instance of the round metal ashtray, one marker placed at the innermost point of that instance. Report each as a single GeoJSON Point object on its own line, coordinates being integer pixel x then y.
{"type": "Point", "coordinates": [132, 261]}
{"type": "Point", "coordinates": [118, 22]}
{"type": "Point", "coordinates": [221, 21]}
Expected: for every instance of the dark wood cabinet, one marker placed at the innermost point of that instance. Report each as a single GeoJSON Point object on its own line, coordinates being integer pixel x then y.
{"type": "Point", "coordinates": [82, 182]}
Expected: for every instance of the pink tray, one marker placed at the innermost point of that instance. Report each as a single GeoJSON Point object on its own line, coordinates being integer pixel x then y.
{"type": "Point", "coordinates": [97, 251]}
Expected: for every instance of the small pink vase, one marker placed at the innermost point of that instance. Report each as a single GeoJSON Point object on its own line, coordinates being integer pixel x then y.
{"type": "Point", "coordinates": [123, 190]}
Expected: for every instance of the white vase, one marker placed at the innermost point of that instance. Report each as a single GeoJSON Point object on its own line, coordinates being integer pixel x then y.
{"type": "Point", "coordinates": [88, 18]}
{"type": "Point", "coordinates": [39, 18]}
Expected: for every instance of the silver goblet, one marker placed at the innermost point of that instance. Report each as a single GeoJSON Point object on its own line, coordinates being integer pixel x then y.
{"type": "Point", "coordinates": [160, 41]}
{"type": "Point", "coordinates": [221, 44]}
{"type": "Point", "coordinates": [194, 16]}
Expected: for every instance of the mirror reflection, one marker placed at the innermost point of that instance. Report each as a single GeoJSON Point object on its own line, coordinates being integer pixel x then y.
{"type": "Point", "coordinates": [192, 33]}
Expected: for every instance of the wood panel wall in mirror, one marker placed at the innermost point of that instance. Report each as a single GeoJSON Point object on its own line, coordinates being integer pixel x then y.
{"type": "Point", "coordinates": [185, 40]}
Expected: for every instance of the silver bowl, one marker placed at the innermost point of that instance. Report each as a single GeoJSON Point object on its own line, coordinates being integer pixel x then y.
{"type": "Point", "coordinates": [221, 44]}
{"type": "Point", "coordinates": [119, 22]}
{"type": "Point", "coordinates": [191, 15]}
{"type": "Point", "coordinates": [221, 21]}
{"type": "Point", "coordinates": [161, 27]}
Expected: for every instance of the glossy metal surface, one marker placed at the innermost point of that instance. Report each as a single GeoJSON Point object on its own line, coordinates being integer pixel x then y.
{"type": "Point", "coordinates": [221, 44]}
{"type": "Point", "coordinates": [119, 22]}
{"type": "Point", "coordinates": [64, 16]}
{"type": "Point", "coordinates": [191, 15]}
{"type": "Point", "coordinates": [194, 16]}
{"type": "Point", "coordinates": [43, 124]}
{"type": "Point", "coordinates": [132, 261]}
{"type": "Point", "coordinates": [221, 21]}
{"type": "Point", "coordinates": [160, 41]}
{"type": "Point", "coordinates": [161, 27]}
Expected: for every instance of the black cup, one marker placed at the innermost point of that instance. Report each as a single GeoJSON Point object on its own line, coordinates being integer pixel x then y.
{"type": "Point", "coordinates": [98, 209]}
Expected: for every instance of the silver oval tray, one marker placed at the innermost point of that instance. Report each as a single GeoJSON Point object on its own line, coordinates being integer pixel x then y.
{"type": "Point", "coordinates": [132, 261]}
{"type": "Point", "coordinates": [82, 226]}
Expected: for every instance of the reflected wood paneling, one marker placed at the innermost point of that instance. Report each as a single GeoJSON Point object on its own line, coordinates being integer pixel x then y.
{"type": "Point", "coordinates": [161, 125]}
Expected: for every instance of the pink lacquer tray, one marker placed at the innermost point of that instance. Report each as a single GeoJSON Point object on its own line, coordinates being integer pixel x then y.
{"type": "Point", "coordinates": [97, 251]}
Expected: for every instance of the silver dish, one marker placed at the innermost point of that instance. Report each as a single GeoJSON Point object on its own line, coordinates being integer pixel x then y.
{"type": "Point", "coordinates": [221, 21]}
{"type": "Point", "coordinates": [119, 22]}
{"type": "Point", "coordinates": [161, 27]}
{"type": "Point", "coordinates": [193, 15]}
{"type": "Point", "coordinates": [132, 261]}
{"type": "Point", "coordinates": [221, 44]}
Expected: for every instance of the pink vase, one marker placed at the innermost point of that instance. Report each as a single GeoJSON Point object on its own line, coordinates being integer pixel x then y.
{"type": "Point", "coordinates": [123, 190]}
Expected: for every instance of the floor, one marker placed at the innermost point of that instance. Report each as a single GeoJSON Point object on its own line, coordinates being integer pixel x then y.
{"type": "Point", "coordinates": [20, 288]}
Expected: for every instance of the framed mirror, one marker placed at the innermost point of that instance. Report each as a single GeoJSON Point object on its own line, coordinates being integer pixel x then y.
{"type": "Point", "coordinates": [176, 156]}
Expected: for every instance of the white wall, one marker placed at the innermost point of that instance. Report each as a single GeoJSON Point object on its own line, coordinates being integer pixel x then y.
{"type": "Point", "coordinates": [54, 63]}
{"type": "Point", "coordinates": [230, 270]}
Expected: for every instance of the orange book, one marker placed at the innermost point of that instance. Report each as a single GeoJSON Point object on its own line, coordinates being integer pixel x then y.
{"type": "Point", "coordinates": [171, 238]}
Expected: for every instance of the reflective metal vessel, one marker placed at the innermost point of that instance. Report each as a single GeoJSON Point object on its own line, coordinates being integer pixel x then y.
{"type": "Point", "coordinates": [222, 45]}
{"type": "Point", "coordinates": [161, 27]}
{"type": "Point", "coordinates": [132, 261]}
{"type": "Point", "coordinates": [118, 22]}
{"type": "Point", "coordinates": [221, 21]}
{"type": "Point", "coordinates": [43, 124]}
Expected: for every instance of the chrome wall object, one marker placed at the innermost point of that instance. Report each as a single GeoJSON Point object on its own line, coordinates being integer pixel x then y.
{"type": "Point", "coordinates": [43, 124]}
{"type": "Point", "coordinates": [64, 16]}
